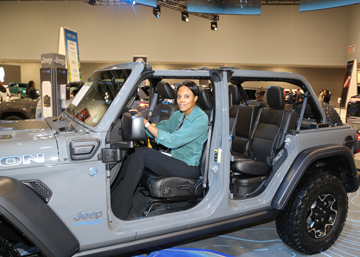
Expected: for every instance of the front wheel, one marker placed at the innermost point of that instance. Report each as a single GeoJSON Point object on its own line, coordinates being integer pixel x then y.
{"type": "Point", "coordinates": [19, 95]}
{"type": "Point", "coordinates": [315, 215]}
{"type": "Point", "coordinates": [7, 249]}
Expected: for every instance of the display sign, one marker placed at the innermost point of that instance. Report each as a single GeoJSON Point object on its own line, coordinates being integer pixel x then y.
{"type": "Point", "coordinates": [225, 7]}
{"type": "Point", "coordinates": [349, 87]}
{"type": "Point", "coordinates": [152, 3]}
{"type": "Point", "coordinates": [9, 73]}
{"type": "Point", "coordinates": [52, 60]}
{"type": "Point", "coordinates": [310, 5]}
{"type": "Point", "coordinates": [2, 74]}
{"type": "Point", "coordinates": [351, 49]}
{"type": "Point", "coordinates": [46, 92]}
{"type": "Point", "coordinates": [69, 46]}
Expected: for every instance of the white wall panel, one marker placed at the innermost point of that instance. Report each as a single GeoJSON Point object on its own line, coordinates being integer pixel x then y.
{"type": "Point", "coordinates": [281, 35]}
{"type": "Point", "coordinates": [353, 37]}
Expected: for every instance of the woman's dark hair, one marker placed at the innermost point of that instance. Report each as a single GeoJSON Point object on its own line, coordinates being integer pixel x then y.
{"type": "Point", "coordinates": [190, 85]}
{"type": "Point", "coordinates": [30, 83]}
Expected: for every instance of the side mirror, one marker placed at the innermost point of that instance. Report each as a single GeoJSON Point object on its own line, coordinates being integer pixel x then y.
{"type": "Point", "coordinates": [132, 127]}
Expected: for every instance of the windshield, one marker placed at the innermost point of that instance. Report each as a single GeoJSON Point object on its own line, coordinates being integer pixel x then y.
{"type": "Point", "coordinates": [95, 96]}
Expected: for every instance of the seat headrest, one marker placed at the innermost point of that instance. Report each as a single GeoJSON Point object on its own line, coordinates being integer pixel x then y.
{"type": "Point", "coordinates": [275, 97]}
{"type": "Point", "coordinates": [164, 89]}
{"type": "Point", "coordinates": [235, 94]}
{"type": "Point", "coordinates": [204, 99]}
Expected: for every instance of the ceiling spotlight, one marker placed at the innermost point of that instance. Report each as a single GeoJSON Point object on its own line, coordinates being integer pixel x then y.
{"type": "Point", "coordinates": [157, 12]}
{"type": "Point", "coordinates": [185, 16]}
{"type": "Point", "coordinates": [214, 25]}
{"type": "Point", "coordinates": [216, 18]}
{"type": "Point", "coordinates": [133, 2]}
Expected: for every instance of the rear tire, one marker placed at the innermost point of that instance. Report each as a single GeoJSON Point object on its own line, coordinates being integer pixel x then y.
{"type": "Point", "coordinates": [13, 117]}
{"type": "Point", "coordinates": [331, 114]}
{"type": "Point", "coordinates": [7, 249]}
{"type": "Point", "coordinates": [315, 214]}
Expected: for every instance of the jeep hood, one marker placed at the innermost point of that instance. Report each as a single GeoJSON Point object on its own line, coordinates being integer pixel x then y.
{"type": "Point", "coordinates": [27, 143]}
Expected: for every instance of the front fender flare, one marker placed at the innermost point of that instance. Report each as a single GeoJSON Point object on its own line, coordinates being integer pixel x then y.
{"type": "Point", "coordinates": [27, 212]}
{"type": "Point", "coordinates": [302, 163]}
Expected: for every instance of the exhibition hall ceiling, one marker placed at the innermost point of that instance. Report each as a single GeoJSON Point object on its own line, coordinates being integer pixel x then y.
{"type": "Point", "coordinates": [263, 2]}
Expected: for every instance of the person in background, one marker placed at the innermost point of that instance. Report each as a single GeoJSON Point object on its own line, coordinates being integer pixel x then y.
{"type": "Point", "coordinates": [284, 92]}
{"type": "Point", "coordinates": [320, 97]}
{"type": "Point", "coordinates": [4, 92]}
{"type": "Point", "coordinates": [260, 96]}
{"type": "Point", "coordinates": [298, 96]}
{"type": "Point", "coordinates": [327, 96]}
{"type": "Point", "coordinates": [30, 90]}
{"type": "Point", "coordinates": [290, 100]}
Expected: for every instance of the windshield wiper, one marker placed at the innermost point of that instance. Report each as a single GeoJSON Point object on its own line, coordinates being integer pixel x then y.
{"type": "Point", "coordinates": [71, 109]}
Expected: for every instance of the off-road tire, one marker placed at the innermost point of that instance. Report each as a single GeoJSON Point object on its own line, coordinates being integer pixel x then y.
{"type": "Point", "coordinates": [7, 249]}
{"type": "Point", "coordinates": [13, 117]}
{"type": "Point", "coordinates": [331, 114]}
{"type": "Point", "coordinates": [293, 222]}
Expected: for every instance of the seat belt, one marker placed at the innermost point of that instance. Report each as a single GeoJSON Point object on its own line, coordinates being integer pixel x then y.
{"type": "Point", "coordinates": [206, 171]}
{"type": "Point", "coordinates": [152, 106]}
{"type": "Point", "coordinates": [302, 111]}
{"type": "Point", "coordinates": [231, 136]}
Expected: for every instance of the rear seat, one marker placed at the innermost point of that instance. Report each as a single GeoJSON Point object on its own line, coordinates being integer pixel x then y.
{"type": "Point", "coordinates": [267, 136]}
{"type": "Point", "coordinates": [245, 119]}
{"type": "Point", "coordinates": [244, 123]}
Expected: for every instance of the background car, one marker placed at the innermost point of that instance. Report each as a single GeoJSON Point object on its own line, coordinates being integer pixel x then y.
{"type": "Point", "coordinates": [26, 108]}
{"type": "Point", "coordinates": [251, 92]}
{"type": "Point", "coordinates": [20, 109]}
{"type": "Point", "coordinates": [353, 110]}
{"type": "Point", "coordinates": [19, 89]}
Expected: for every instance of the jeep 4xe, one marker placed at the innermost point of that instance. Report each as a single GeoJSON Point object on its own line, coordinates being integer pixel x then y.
{"type": "Point", "coordinates": [57, 174]}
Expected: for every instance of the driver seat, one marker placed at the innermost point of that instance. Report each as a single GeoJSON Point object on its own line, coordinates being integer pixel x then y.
{"type": "Point", "coordinates": [175, 189]}
{"type": "Point", "coordinates": [165, 109]}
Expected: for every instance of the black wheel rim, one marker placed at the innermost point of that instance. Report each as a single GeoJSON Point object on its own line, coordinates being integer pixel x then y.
{"type": "Point", "coordinates": [322, 216]}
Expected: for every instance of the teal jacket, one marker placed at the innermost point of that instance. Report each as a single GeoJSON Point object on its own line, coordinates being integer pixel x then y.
{"type": "Point", "coordinates": [186, 143]}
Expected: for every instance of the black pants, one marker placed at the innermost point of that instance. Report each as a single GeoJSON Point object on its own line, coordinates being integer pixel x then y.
{"type": "Point", "coordinates": [132, 170]}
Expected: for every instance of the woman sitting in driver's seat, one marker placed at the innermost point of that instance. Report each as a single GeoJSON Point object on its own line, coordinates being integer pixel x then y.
{"type": "Point", "coordinates": [184, 134]}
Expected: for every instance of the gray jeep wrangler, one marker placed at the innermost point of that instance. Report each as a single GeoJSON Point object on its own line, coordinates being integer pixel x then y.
{"type": "Point", "coordinates": [260, 161]}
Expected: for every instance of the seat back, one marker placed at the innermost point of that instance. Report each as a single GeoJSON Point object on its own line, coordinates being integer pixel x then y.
{"type": "Point", "coordinates": [245, 121]}
{"type": "Point", "coordinates": [205, 101]}
{"type": "Point", "coordinates": [271, 126]}
{"type": "Point", "coordinates": [165, 108]}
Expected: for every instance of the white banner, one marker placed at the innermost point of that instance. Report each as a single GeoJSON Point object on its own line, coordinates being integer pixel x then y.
{"type": "Point", "coordinates": [69, 46]}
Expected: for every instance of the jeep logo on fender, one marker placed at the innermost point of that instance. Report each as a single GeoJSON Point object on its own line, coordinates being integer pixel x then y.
{"type": "Point", "coordinates": [90, 215]}
{"type": "Point", "coordinates": [25, 159]}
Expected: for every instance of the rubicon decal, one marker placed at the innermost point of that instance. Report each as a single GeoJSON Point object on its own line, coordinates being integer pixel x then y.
{"type": "Point", "coordinates": [25, 159]}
